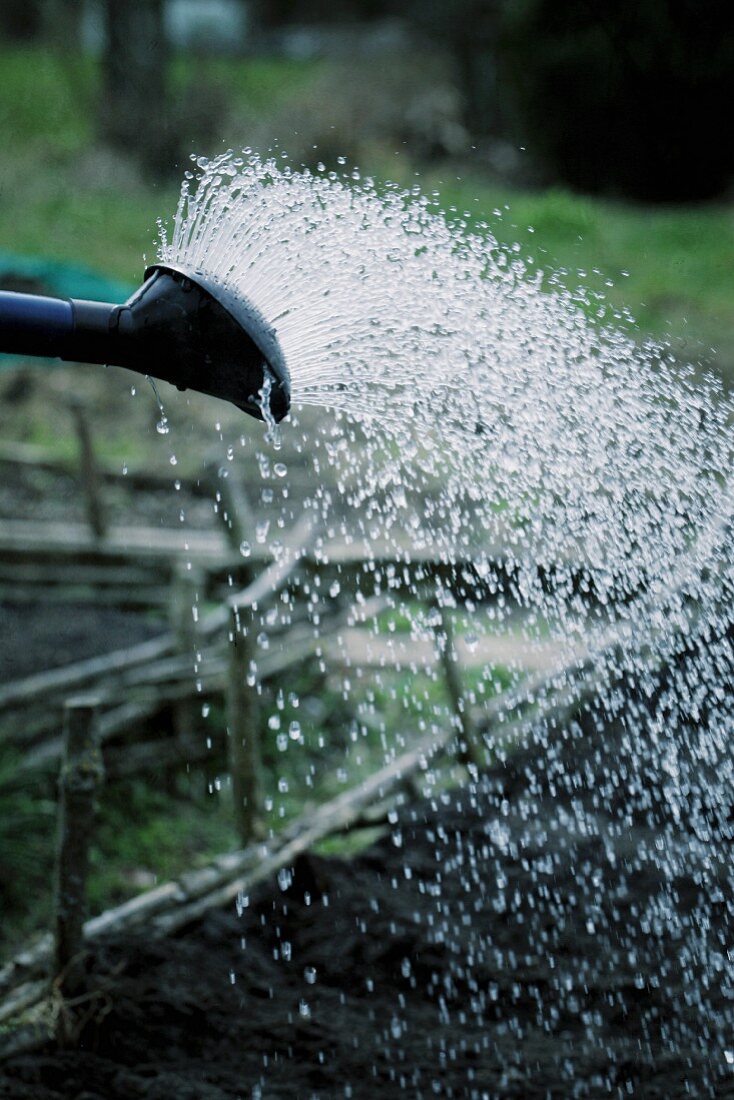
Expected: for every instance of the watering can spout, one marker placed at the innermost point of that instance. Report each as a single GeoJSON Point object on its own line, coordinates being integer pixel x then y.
{"type": "Point", "coordinates": [183, 328]}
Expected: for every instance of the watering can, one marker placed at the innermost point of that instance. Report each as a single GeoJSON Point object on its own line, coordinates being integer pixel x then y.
{"type": "Point", "coordinates": [180, 326]}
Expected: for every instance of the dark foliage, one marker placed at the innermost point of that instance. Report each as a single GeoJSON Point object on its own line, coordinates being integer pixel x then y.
{"type": "Point", "coordinates": [468, 29]}
{"type": "Point", "coordinates": [20, 20]}
{"type": "Point", "coordinates": [631, 98]}
{"type": "Point", "coordinates": [133, 105]}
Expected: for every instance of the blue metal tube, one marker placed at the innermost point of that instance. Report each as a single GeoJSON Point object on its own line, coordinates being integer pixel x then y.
{"type": "Point", "coordinates": [33, 325]}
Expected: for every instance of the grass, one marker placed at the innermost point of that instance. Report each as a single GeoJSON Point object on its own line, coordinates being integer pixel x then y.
{"type": "Point", "coordinates": [65, 200]}
{"type": "Point", "coordinates": [46, 100]}
{"type": "Point", "coordinates": [172, 833]}
{"type": "Point", "coordinates": [49, 207]}
{"type": "Point", "coordinates": [670, 267]}
{"type": "Point", "coordinates": [148, 832]}
{"type": "Point", "coordinates": [259, 84]}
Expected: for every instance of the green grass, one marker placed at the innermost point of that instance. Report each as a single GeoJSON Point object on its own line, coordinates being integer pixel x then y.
{"type": "Point", "coordinates": [258, 84]}
{"type": "Point", "coordinates": [143, 834]}
{"type": "Point", "coordinates": [60, 197]}
{"type": "Point", "coordinates": [170, 835]}
{"type": "Point", "coordinates": [49, 98]}
{"type": "Point", "coordinates": [148, 833]}
{"type": "Point", "coordinates": [110, 232]}
{"type": "Point", "coordinates": [52, 205]}
{"type": "Point", "coordinates": [670, 267]}
{"type": "Point", "coordinates": [46, 100]}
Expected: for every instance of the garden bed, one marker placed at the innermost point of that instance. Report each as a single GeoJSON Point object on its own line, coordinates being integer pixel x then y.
{"type": "Point", "coordinates": [496, 942]}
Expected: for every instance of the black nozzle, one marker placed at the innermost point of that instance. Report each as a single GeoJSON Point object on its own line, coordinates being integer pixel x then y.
{"type": "Point", "coordinates": [184, 329]}
{"type": "Point", "coordinates": [176, 329]}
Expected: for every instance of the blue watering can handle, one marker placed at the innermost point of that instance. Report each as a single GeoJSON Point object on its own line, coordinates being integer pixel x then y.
{"type": "Point", "coordinates": [31, 324]}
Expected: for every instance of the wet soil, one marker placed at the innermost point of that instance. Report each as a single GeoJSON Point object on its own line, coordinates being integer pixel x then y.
{"type": "Point", "coordinates": [501, 940]}
{"type": "Point", "coordinates": [36, 638]}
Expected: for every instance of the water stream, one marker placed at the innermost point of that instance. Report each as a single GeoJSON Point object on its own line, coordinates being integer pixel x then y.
{"type": "Point", "coordinates": [576, 485]}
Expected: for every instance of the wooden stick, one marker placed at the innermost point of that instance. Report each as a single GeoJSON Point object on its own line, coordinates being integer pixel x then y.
{"type": "Point", "coordinates": [146, 689]}
{"type": "Point", "coordinates": [83, 672]}
{"type": "Point", "coordinates": [469, 748]}
{"type": "Point", "coordinates": [227, 873]}
{"type": "Point", "coordinates": [173, 905]}
{"type": "Point", "coordinates": [242, 731]}
{"type": "Point", "coordinates": [136, 477]}
{"type": "Point", "coordinates": [51, 573]}
{"type": "Point", "coordinates": [186, 589]}
{"type": "Point", "coordinates": [81, 775]}
{"type": "Point", "coordinates": [56, 540]}
{"type": "Point", "coordinates": [137, 598]}
{"type": "Point", "coordinates": [254, 864]}
{"type": "Point", "coordinates": [233, 505]}
{"type": "Point", "coordinates": [272, 579]}
{"type": "Point", "coordinates": [91, 483]}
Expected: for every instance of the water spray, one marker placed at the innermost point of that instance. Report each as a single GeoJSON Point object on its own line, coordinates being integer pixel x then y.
{"type": "Point", "coordinates": [520, 471]}
{"type": "Point", "coordinates": [180, 326]}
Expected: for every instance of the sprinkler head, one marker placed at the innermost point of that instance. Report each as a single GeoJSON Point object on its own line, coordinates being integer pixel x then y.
{"type": "Point", "coordinates": [193, 332]}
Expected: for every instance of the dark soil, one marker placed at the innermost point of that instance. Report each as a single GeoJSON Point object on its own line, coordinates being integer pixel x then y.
{"type": "Point", "coordinates": [36, 638]}
{"type": "Point", "coordinates": [497, 942]}
{"type": "Point", "coordinates": [38, 493]}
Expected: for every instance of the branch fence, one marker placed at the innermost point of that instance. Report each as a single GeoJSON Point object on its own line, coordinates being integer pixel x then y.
{"type": "Point", "coordinates": [95, 715]}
